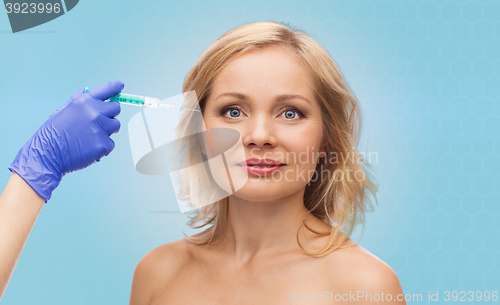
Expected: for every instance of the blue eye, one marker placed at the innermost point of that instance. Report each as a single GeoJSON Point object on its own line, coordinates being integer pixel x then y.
{"type": "Point", "coordinates": [290, 114]}
{"type": "Point", "coordinates": [233, 110]}
{"type": "Point", "coordinates": [234, 113]}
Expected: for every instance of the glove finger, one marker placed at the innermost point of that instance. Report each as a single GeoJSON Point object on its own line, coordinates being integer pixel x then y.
{"type": "Point", "coordinates": [110, 145]}
{"type": "Point", "coordinates": [107, 90]}
{"type": "Point", "coordinates": [111, 109]}
{"type": "Point", "coordinates": [112, 126]}
{"type": "Point", "coordinates": [77, 93]}
{"type": "Point", "coordinates": [105, 148]}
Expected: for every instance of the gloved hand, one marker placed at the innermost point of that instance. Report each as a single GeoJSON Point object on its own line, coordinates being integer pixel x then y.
{"type": "Point", "coordinates": [74, 137]}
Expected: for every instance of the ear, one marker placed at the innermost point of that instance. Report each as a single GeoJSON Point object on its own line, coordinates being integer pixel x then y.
{"type": "Point", "coordinates": [204, 135]}
{"type": "Point", "coordinates": [202, 144]}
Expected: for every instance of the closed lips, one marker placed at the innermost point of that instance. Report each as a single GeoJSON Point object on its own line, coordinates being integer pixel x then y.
{"type": "Point", "coordinates": [261, 167]}
{"type": "Point", "coordinates": [260, 163]}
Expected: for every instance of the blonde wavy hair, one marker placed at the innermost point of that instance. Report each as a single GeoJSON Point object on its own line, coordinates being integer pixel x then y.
{"type": "Point", "coordinates": [340, 201]}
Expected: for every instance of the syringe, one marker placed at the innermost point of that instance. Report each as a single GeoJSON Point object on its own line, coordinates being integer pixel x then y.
{"type": "Point", "coordinates": [141, 101]}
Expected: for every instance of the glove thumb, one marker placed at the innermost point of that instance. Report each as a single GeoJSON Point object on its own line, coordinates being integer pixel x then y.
{"type": "Point", "coordinates": [107, 90]}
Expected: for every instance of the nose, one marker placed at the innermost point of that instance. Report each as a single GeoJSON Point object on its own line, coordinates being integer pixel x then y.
{"type": "Point", "coordinates": [259, 133]}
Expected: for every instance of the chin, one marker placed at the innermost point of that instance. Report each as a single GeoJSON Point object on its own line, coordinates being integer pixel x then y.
{"type": "Point", "coordinates": [261, 191]}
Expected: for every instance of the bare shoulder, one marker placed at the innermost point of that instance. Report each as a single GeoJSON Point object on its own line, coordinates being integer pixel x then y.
{"type": "Point", "coordinates": [357, 269]}
{"type": "Point", "coordinates": [166, 259]}
{"type": "Point", "coordinates": [156, 268]}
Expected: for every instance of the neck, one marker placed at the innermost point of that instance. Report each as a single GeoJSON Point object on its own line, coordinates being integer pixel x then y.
{"type": "Point", "coordinates": [265, 228]}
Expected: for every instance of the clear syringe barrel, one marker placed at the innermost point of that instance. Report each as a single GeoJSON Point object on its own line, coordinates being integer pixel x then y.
{"type": "Point", "coordinates": [129, 99]}
{"type": "Point", "coordinates": [136, 100]}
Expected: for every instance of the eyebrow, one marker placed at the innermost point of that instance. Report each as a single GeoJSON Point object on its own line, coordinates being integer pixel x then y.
{"type": "Point", "coordinates": [279, 98]}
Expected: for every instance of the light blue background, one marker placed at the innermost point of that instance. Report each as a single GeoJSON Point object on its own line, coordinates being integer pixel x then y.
{"type": "Point", "coordinates": [427, 75]}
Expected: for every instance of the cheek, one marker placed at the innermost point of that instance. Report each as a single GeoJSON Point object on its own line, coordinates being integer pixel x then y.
{"type": "Point", "coordinates": [211, 122]}
{"type": "Point", "coordinates": [302, 142]}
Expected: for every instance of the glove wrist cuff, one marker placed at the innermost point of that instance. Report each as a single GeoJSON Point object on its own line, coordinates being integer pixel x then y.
{"type": "Point", "coordinates": [32, 168]}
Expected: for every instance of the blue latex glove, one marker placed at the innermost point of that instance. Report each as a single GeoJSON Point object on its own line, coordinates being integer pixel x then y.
{"type": "Point", "coordinates": [74, 137]}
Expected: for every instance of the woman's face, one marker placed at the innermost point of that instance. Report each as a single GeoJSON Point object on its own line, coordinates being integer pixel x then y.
{"type": "Point", "coordinates": [267, 96]}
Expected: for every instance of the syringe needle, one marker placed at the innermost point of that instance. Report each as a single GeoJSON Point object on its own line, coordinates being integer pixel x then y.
{"type": "Point", "coordinates": [173, 106]}
{"type": "Point", "coordinates": [167, 106]}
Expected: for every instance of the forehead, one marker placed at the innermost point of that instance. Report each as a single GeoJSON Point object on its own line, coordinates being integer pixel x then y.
{"type": "Point", "coordinates": [271, 70]}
